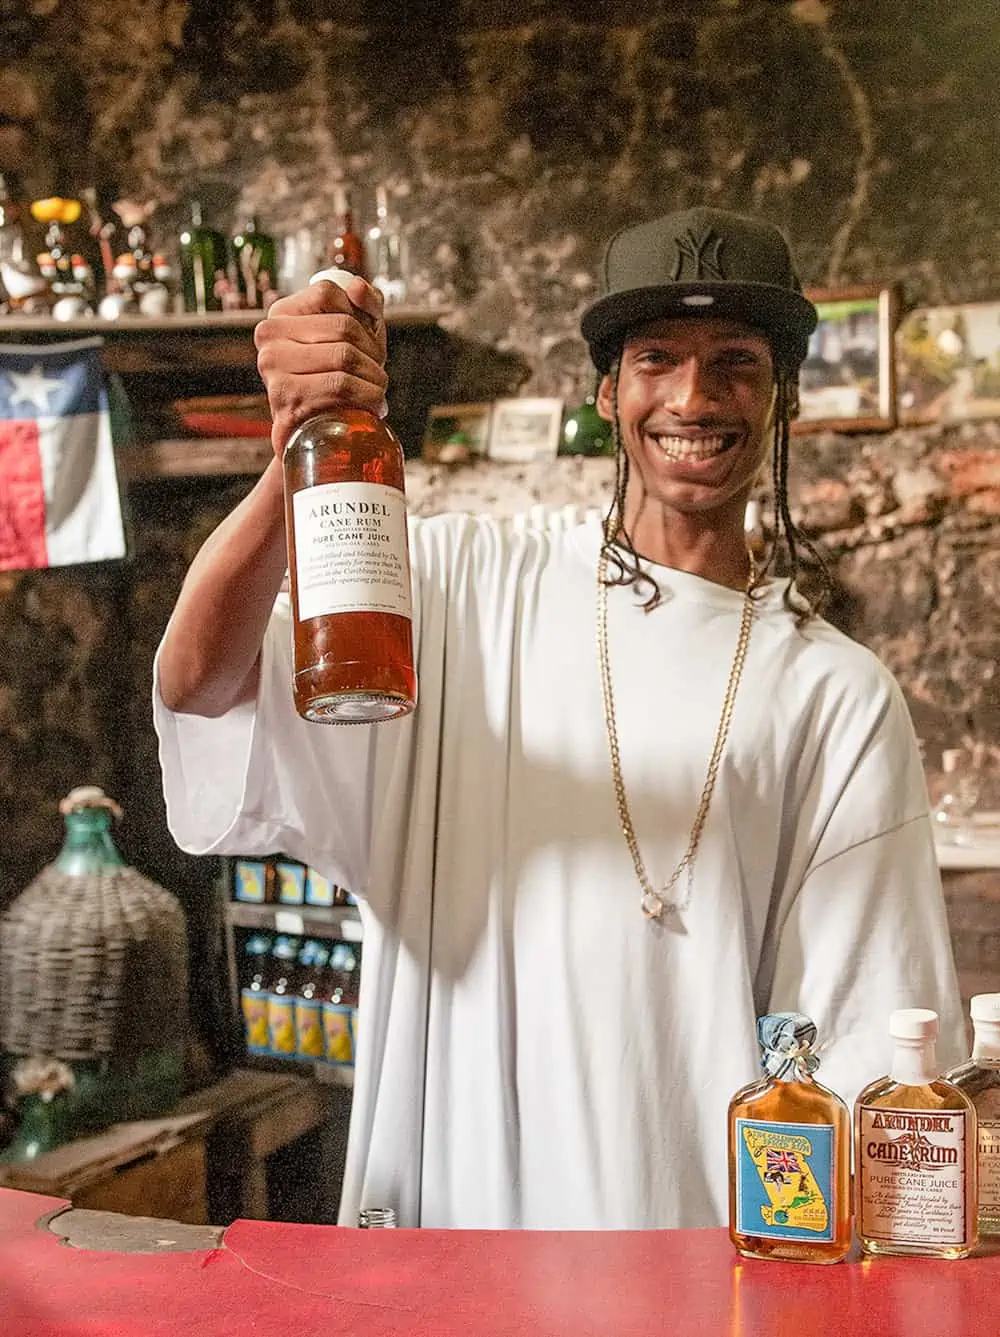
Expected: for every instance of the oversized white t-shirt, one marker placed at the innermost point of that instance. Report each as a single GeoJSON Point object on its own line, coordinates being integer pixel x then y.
{"type": "Point", "coordinates": [533, 1051]}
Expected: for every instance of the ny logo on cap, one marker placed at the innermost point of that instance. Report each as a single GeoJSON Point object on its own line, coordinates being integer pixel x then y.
{"type": "Point", "coordinates": [697, 256]}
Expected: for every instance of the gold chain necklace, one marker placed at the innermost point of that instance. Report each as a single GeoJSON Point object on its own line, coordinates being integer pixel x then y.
{"type": "Point", "coordinates": [655, 903]}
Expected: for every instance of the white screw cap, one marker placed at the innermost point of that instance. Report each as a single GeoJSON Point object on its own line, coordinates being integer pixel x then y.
{"type": "Point", "coordinates": [913, 1023]}
{"type": "Point", "coordinates": [985, 1007]}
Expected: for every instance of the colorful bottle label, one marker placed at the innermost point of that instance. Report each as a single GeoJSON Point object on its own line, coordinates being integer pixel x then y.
{"type": "Point", "coordinates": [309, 1041]}
{"type": "Point", "coordinates": [784, 1180]}
{"type": "Point", "coordinates": [911, 1165]}
{"type": "Point", "coordinates": [254, 1006]}
{"type": "Point", "coordinates": [291, 883]}
{"type": "Point", "coordinates": [281, 1024]}
{"type": "Point", "coordinates": [338, 1033]}
{"type": "Point", "coordinates": [350, 550]}
{"type": "Point", "coordinates": [250, 881]}
{"type": "Point", "coordinates": [319, 889]}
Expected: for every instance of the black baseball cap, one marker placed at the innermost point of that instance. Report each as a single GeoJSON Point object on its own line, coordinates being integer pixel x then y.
{"type": "Point", "coordinates": [706, 262]}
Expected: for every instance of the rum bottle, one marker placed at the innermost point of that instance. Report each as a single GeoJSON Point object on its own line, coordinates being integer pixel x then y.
{"type": "Point", "coordinates": [789, 1153]}
{"type": "Point", "coordinates": [915, 1152]}
{"type": "Point", "coordinates": [346, 250]}
{"type": "Point", "coordinates": [349, 568]}
{"type": "Point", "coordinates": [979, 1079]}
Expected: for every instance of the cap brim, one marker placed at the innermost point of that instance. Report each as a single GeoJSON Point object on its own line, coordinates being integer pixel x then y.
{"type": "Point", "coordinates": [785, 317]}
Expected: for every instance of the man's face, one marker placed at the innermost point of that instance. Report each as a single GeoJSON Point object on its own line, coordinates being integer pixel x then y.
{"type": "Point", "coordinates": [696, 403]}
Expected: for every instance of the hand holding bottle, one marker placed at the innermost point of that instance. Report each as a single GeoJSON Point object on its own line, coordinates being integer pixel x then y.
{"type": "Point", "coordinates": [319, 349]}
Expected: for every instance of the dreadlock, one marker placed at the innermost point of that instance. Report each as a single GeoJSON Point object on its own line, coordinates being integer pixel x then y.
{"type": "Point", "coordinates": [623, 562]}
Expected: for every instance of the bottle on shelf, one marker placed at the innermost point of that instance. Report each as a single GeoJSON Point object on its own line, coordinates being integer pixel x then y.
{"type": "Point", "coordinates": [346, 250]}
{"type": "Point", "coordinates": [585, 432]}
{"type": "Point", "coordinates": [203, 264]}
{"type": "Point", "coordinates": [954, 811]}
{"type": "Point", "coordinates": [255, 262]}
{"type": "Point", "coordinates": [349, 568]}
{"type": "Point", "coordinates": [388, 251]}
{"type": "Point", "coordinates": [314, 990]}
{"type": "Point", "coordinates": [979, 1079]}
{"type": "Point", "coordinates": [915, 1152]}
{"type": "Point", "coordinates": [789, 1153]}
{"type": "Point", "coordinates": [281, 998]}
{"type": "Point", "coordinates": [254, 993]}
{"type": "Point", "coordinates": [340, 1007]}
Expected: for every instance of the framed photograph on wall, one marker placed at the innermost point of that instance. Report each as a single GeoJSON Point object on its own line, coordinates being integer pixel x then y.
{"type": "Point", "coordinates": [847, 381]}
{"type": "Point", "coordinates": [525, 429]}
{"type": "Point", "coordinates": [948, 363]}
{"type": "Point", "coordinates": [456, 429]}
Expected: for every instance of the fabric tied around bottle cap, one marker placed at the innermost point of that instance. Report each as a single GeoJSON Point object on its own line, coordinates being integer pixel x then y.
{"type": "Point", "coordinates": [787, 1041]}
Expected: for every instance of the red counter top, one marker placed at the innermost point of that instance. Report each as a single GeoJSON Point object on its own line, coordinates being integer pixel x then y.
{"type": "Point", "coordinates": [267, 1279]}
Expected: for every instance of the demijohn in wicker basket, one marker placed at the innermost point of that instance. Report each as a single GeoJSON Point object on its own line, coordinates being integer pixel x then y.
{"type": "Point", "coordinates": [93, 969]}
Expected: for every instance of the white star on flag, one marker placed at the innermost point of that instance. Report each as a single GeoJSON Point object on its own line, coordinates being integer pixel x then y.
{"type": "Point", "coordinates": [32, 387]}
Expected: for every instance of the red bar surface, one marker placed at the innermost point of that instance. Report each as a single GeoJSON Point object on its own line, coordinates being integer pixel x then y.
{"type": "Point", "coordinates": [283, 1280]}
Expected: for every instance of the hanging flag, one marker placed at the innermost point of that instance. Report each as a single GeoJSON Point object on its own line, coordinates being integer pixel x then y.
{"type": "Point", "coordinates": [59, 501]}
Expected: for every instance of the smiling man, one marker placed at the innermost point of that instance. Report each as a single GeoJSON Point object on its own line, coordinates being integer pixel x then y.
{"type": "Point", "coordinates": [647, 793]}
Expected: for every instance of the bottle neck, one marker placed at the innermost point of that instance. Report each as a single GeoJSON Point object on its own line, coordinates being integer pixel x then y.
{"type": "Point", "coordinates": [986, 1044]}
{"type": "Point", "coordinates": [88, 847]}
{"type": "Point", "coordinates": [914, 1062]}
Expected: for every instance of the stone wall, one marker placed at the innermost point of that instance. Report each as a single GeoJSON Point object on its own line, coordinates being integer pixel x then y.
{"type": "Point", "coordinates": [514, 139]}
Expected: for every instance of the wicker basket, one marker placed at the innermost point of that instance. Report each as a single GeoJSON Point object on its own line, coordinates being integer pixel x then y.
{"type": "Point", "coordinates": [93, 964]}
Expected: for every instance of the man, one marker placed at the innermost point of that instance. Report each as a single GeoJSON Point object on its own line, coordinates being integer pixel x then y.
{"type": "Point", "coordinates": [645, 795]}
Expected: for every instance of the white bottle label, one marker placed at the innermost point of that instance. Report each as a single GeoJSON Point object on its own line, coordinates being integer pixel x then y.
{"type": "Point", "coordinates": [989, 1167]}
{"type": "Point", "coordinates": [912, 1168]}
{"type": "Point", "coordinates": [350, 550]}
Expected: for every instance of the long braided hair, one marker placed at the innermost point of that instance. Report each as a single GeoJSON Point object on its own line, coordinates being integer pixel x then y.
{"type": "Point", "coordinates": [784, 556]}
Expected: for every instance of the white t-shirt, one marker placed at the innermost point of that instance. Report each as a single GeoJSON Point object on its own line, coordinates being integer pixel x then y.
{"type": "Point", "coordinates": [533, 1051]}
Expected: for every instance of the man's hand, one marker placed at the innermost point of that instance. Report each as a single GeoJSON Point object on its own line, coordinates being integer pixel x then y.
{"type": "Point", "coordinates": [320, 349]}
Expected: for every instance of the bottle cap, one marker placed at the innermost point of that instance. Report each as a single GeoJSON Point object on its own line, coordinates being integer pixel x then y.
{"type": "Point", "coordinates": [986, 1007]}
{"type": "Point", "coordinates": [341, 277]}
{"type": "Point", "coordinates": [787, 1041]}
{"type": "Point", "coordinates": [913, 1023]}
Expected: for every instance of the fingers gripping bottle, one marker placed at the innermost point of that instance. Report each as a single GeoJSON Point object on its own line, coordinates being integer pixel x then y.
{"type": "Point", "coordinates": [789, 1153]}
{"type": "Point", "coordinates": [349, 569]}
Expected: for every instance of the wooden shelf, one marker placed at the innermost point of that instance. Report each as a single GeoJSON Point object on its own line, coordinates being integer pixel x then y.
{"type": "Point", "coordinates": [184, 322]}
{"type": "Point", "coordinates": [195, 457]}
{"type": "Point", "coordinates": [320, 919]}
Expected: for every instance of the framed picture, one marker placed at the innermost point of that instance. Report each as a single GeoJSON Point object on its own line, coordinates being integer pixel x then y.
{"type": "Point", "coordinates": [847, 381]}
{"type": "Point", "coordinates": [464, 428]}
{"type": "Point", "coordinates": [948, 363]}
{"type": "Point", "coordinates": [525, 429]}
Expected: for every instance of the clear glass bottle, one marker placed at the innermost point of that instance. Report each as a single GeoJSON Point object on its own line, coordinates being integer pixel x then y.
{"type": "Point", "coordinates": [789, 1153]}
{"type": "Point", "coordinates": [915, 1152]}
{"type": "Point", "coordinates": [955, 808]}
{"type": "Point", "coordinates": [387, 248]}
{"type": "Point", "coordinates": [979, 1079]}
{"type": "Point", "coordinates": [349, 568]}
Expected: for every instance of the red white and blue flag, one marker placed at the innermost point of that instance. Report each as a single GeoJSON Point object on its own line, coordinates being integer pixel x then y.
{"type": "Point", "coordinates": [59, 501]}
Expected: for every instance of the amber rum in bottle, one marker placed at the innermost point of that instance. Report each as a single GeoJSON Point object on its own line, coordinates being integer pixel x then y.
{"type": "Point", "coordinates": [979, 1079]}
{"type": "Point", "coordinates": [349, 570]}
{"type": "Point", "coordinates": [789, 1153]}
{"type": "Point", "coordinates": [915, 1151]}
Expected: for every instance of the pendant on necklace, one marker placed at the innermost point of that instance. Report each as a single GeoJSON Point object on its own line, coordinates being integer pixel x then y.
{"type": "Point", "coordinates": [652, 906]}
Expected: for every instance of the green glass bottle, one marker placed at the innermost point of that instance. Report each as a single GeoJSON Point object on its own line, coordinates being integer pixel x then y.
{"type": "Point", "coordinates": [203, 264]}
{"type": "Point", "coordinates": [585, 432]}
{"type": "Point", "coordinates": [255, 256]}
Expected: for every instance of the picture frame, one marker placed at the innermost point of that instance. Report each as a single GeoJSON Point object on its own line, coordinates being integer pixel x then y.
{"type": "Point", "coordinates": [459, 429]}
{"type": "Point", "coordinates": [948, 364]}
{"type": "Point", "coordinates": [522, 430]}
{"type": "Point", "coordinates": [847, 382]}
